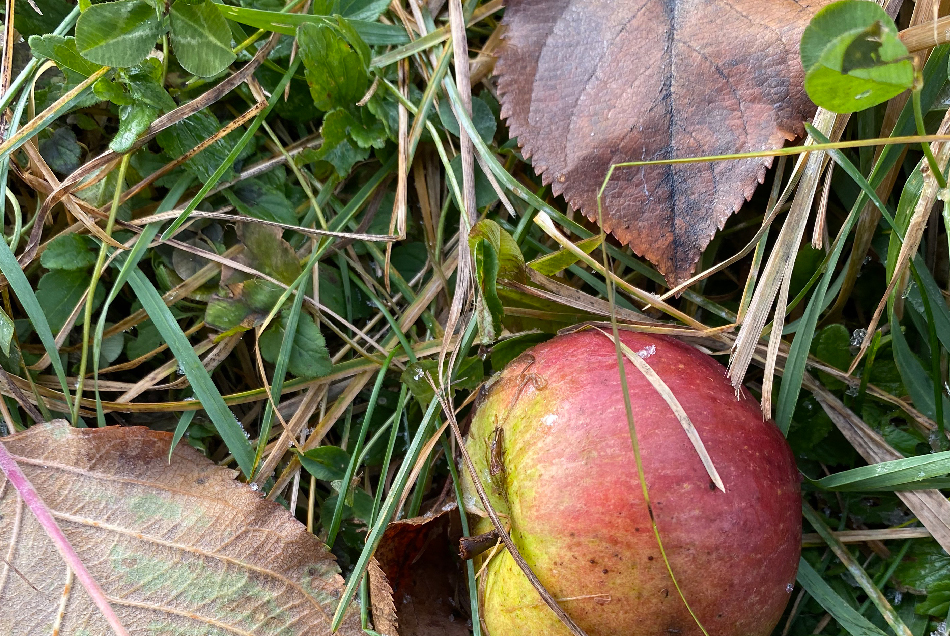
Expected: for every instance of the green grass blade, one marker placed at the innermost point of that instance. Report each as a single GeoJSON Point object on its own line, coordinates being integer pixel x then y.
{"type": "Point", "coordinates": [386, 513]}
{"type": "Point", "coordinates": [355, 455]}
{"type": "Point", "coordinates": [125, 263]}
{"type": "Point", "coordinates": [10, 269]}
{"type": "Point", "coordinates": [183, 423]}
{"type": "Point", "coordinates": [847, 617]}
{"type": "Point", "coordinates": [280, 368]}
{"type": "Point", "coordinates": [888, 475]}
{"type": "Point", "coordinates": [276, 96]}
{"type": "Point", "coordinates": [917, 380]}
{"type": "Point", "coordinates": [221, 416]}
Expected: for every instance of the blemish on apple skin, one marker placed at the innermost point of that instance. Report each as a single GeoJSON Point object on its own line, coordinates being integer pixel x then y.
{"type": "Point", "coordinates": [647, 351]}
{"type": "Point", "coordinates": [549, 420]}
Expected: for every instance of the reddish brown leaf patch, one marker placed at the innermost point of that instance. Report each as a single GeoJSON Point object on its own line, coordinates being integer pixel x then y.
{"type": "Point", "coordinates": [420, 560]}
{"type": "Point", "coordinates": [585, 85]}
{"type": "Point", "coordinates": [179, 547]}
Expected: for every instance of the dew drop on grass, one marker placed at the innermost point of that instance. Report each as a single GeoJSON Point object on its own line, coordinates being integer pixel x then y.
{"type": "Point", "coordinates": [863, 95]}
{"type": "Point", "coordinates": [853, 390]}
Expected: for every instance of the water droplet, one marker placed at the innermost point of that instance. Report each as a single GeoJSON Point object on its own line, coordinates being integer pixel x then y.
{"type": "Point", "coordinates": [789, 588]}
{"type": "Point", "coordinates": [647, 351]}
{"type": "Point", "coordinates": [853, 390]}
{"type": "Point", "coordinates": [181, 369]}
{"type": "Point", "coordinates": [866, 93]}
{"type": "Point", "coordinates": [549, 420]}
{"type": "Point", "coordinates": [858, 337]}
{"type": "Point", "coordinates": [255, 487]}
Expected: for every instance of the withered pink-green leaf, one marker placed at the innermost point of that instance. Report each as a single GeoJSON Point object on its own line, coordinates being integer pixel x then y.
{"type": "Point", "coordinates": [180, 548]}
{"type": "Point", "coordinates": [589, 83]}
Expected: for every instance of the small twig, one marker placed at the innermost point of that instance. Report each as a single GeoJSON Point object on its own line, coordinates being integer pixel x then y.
{"type": "Point", "coordinates": [471, 547]}
{"type": "Point", "coordinates": [33, 501]}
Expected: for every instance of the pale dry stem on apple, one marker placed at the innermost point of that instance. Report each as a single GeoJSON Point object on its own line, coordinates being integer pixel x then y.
{"type": "Point", "coordinates": [549, 600]}
{"type": "Point", "coordinates": [674, 405]}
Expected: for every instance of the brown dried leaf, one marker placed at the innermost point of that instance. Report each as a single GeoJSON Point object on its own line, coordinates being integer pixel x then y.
{"type": "Point", "coordinates": [381, 601]}
{"type": "Point", "coordinates": [180, 548]}
{"type": "Point", "coordinates": [420, 559]}
{"type": "Point", "coordinates": [585, 85]}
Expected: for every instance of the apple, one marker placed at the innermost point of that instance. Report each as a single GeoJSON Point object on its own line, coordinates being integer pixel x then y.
{"type": "Point", "coordinates": [551, 444]}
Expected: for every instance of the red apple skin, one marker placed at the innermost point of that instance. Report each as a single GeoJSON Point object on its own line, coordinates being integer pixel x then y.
{"type": "Point", "coordinates": [577, 511]}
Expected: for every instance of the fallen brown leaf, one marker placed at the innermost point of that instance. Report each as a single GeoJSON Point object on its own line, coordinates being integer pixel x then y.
{"type": "Point", "coordinates": [585, 85]}
{"type": "Point", "coordinates": [180, 548]}
{"type": "Point", "coordinates": [420, 560]}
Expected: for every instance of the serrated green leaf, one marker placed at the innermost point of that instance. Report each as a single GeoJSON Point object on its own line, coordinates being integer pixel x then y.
{"type": "Point", "coordinates": [937, 602]}
{"type": "Point", "coordinates": [496, 255]}
{"type": "Point", "coordinates": [186, 134]}
{"type": "Point", "coordinates": [147, 338]}
{"type": "Point", "coordinates": [60, 291]}
{"type": "Point", "coordinates": [61, 150]}
{"type": "Point", "coordinates": [925, 566]}
{"type": "Point", "coordinates": [117, 34]}
{"type": "Point", "coordinates": [134, 120]}
{"type": "Point", "coordinates": [482, 117]}
{"type": "Point", "coordinates": [226, 313]}
{"type": "Point", "coordinates": [363, 128]}
{"type": "Point", "coordinates": [327, 463]}
{"type": "Point", "coordinates": [269, 253]}
{"type": "Point", "coordinates": [200, 38]}
{"type": "Point", "coordinates": [309, 357]}
{"type": "Point", "coordinates": [335, 71]}
{"type": "Point", "coordinates": [263, 201]}
{"type": "Point", "coordinates": [112, 90]}
{"type": "Point", "coordinates": [144, 83]}
{"type": "Point", "coordinates": [62, 50]}
{"type": "Point", "coordinates": [51, 14]}
{"type": "Point", "coordinates": [69, 251]}
{"type": "Point", "coordinates": [342, 156]}
{"type": "Point", "coordinates": [853, 58]}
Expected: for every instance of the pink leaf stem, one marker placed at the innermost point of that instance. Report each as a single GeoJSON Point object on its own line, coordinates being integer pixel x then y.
{"type": "Point", "coordinates": [33, 501]}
